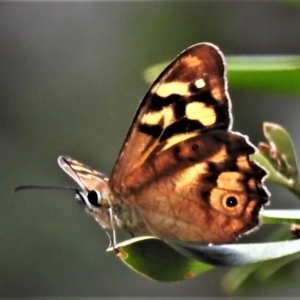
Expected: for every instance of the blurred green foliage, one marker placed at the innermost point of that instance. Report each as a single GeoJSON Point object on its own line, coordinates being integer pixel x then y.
{"type": "Point", "coordinates": [70, 82]}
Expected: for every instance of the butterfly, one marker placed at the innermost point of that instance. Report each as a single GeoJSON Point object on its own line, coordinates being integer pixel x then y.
{"type": "Point", "coordinates": [182, 173]}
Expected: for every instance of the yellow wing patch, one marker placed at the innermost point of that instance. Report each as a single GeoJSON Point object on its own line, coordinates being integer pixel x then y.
{"type": "Point", "coordinates": [153, 118]}
{"type": "Point", "coordinates": [175, 87]}
{"type": "Point", "coordinates": [230, 180]}
{"type": "Point", "coordinates": [175, 139]}
{"type": "Point", "coordinates": [200, 112]}
{"type": "Point", "coordinates": [190, 174]}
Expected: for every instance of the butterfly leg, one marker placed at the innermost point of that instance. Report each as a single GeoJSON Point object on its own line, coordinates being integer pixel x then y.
{"type": "Point", "coordinates": [113, 241]}
{"type": "Point", "coordinates": [109, 237]}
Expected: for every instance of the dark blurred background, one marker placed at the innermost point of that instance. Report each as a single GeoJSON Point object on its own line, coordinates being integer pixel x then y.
{"type": "Point", "coordinates": [70, 81]}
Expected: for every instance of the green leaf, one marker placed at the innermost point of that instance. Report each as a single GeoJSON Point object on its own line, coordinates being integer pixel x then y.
{"type": "Point", "coordinates": [261, 274]}
{"type": "Point", "coordinates": [151, 73]}
{"type": "Point", "coordinates": [238, 254]}
{"type": "Point", "coordinates": [268, 73]}
{"type": "Point", "coordinates": [274, 176]}
{"type": "Point", "coordinates": [280, 216]}
{"type": "Point", "coordinates": [268, 153]}
{"type": "Point", "coordinates": [281, 141]}
{"type": "Point", "coordinates": [296, 3]}
{"type": "Point", "coordinates": [263, 63]}
{"type": "Point", "coordinates": [157, 260]}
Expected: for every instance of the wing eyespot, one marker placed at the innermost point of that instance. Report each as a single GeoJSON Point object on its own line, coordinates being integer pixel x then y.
{"type": "Point", "coordinates": [231, 202]}
{"type": "Point", "coordinates": [195, 147]}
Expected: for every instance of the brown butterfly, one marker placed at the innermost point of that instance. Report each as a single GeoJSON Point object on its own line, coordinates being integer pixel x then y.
{"type": "Point", "coordinates": [181, 173]}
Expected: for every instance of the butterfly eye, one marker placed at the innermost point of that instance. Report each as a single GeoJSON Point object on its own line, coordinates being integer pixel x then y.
{"type": "Point", "coordinates": [94, 197]}
{"type": "Point", "coordinates": [231, 201]}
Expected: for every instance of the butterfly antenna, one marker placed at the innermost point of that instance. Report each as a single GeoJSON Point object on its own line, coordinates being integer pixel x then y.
{"type": "Point", "coordinates": [44, 187]}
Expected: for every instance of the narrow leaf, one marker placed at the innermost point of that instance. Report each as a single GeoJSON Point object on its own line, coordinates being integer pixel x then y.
{"type": "Point", "coordinates": [273, 176]}
{"type": "Point", "coordinates": [238, 254]}
{"type": "Point", "coordinates": [156, 260]}
{"type": "Point", "coordinates": [268, 73]}
{"type": "Point", "coordinates": [280, 139]}
{"type": "Point", "coordinates": [280, 216]}
{"type": "Point", "coordinates": [246, 277]}
{"type": "Point", "coordinates": [260, 275]}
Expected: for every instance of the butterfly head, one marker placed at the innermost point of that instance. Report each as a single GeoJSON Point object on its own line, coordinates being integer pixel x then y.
{"type": "Point", "coordinates": [93, 192]}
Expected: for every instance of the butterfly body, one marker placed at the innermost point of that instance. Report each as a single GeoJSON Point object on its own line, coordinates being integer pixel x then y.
{"type": "Point", "coordinates": [182, 173]}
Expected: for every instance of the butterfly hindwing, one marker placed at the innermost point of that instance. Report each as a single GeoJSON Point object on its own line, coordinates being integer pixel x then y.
{"type": "Point", "coordinates": [198, 193]}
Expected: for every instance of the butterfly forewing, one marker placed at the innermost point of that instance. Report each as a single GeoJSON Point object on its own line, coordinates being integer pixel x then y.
{"type": "Point", "coordinates": [190, 95]}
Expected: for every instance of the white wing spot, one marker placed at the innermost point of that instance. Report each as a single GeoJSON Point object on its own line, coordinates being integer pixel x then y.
{"type": "Point", "coordinates": [200, 83]}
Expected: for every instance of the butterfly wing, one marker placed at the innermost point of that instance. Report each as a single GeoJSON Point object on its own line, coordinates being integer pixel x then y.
{"type": "Point", "coordinates": [87, 178]}
{"type": "Point", "coordinates": [189, 95]}
{"type": "Point", "coordinates": [203, 189]}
